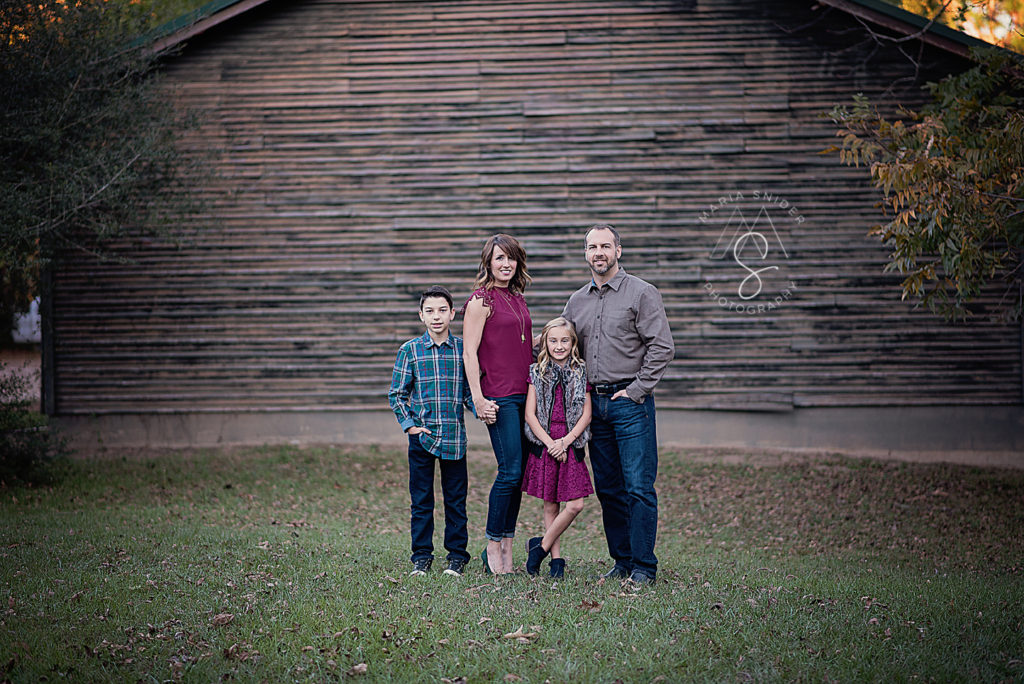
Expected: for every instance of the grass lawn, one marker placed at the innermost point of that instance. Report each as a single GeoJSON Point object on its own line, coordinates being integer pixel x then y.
{"type": "Point", "coordinates": [286, 564]}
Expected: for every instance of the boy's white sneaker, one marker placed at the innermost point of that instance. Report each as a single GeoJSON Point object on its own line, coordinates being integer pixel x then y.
{"type": "Point", "coordinates": [455, 567]}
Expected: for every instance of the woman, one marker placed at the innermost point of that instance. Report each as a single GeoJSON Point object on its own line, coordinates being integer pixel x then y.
{"type": "Point", "coordinates": [498, 350]}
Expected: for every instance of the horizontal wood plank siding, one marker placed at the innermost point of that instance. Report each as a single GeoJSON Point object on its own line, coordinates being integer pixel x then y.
{"type": "Point", "coordinates": [367, 149]}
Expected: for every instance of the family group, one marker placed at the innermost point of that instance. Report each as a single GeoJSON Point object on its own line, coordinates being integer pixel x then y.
{"type": "Point", "coordinates": [588, 377]}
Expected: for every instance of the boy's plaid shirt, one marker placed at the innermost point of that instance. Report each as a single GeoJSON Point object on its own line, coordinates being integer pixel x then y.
{"type": "Point", "coordinates": [429, 389]}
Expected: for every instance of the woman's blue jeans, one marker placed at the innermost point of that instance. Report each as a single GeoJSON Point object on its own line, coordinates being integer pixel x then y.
{"type": "Point", "coordinates": [509, 446]}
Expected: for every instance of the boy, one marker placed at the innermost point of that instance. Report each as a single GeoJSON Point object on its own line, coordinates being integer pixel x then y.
{"type": "Point", "coordinates": [428, 391]}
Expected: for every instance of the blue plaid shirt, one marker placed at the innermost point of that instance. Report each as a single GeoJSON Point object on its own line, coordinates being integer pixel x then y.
{"type": "Point", "coordinates": [429, 389]}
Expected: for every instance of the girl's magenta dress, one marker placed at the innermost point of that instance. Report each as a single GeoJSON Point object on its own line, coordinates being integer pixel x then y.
{"type": "Point", "coordinates": [546, 478]}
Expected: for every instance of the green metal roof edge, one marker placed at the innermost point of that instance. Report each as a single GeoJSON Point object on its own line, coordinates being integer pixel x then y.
{"type": "Point", "coordinates": [921, 22]}
{"type": "Point", "coordinates": [185, 20]}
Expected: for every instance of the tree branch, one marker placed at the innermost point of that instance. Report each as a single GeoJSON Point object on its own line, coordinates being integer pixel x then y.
{"type": "Point", "coordinates": [68, 213]}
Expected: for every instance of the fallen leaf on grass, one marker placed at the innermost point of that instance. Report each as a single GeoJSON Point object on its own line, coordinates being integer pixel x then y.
{"type": "Point", "coordinates": [590, 606]}
{"type": "Point", "coordinates": [242, 651]}
{"type": "Point", "coordinates": [359, 669]}
{"type": "Point", "coordinates": [520, 635]}
{"type": "Point", "coordinates": [456, 680]}
{"type": "Point", "coordinates": [512, 677]}
{"type": "Point", "coordinates": [483, 620]}
{"type": "Point", "coordinates": [221, 619]}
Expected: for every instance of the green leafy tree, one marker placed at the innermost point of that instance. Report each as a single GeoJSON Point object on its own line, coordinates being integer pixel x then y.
{"type": "Point", "coordinates": [952, 180]}
{"type": "Point", "coordinates": [88, 137]}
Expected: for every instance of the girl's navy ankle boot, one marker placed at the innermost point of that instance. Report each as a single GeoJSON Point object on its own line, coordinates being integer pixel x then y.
{"type": "Point", "coordinates": [535, 553]}
{"type": "Point", "coordinates": [557, 567]}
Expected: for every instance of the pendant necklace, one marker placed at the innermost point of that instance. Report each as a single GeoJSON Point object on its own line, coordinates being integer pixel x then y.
{"type": "Point", "coordinates": [515, 312]}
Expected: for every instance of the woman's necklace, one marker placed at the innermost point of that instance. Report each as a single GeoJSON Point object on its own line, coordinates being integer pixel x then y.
{"type": "Point", "coordinates": [509, 298]}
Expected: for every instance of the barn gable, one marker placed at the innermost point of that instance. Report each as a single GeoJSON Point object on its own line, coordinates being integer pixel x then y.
{"type": "Point", "coordinates": [369, 148]}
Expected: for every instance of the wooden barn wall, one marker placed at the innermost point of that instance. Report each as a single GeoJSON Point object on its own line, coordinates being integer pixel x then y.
{"type": "Point", "coordinates": [367, 149]}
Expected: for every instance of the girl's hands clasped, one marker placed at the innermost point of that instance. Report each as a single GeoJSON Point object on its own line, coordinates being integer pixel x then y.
{"type": "Point", "coordinates": [557, 449]}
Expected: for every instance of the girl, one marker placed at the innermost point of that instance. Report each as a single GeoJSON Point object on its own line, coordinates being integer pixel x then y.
{"type": "Point", "coordinates": [497, 350]}
{"type": "Point", "coordinates": [557, 419]}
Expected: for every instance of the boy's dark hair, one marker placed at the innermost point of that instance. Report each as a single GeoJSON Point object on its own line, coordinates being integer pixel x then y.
{"type": "Point", "coordinates": [436, 291]}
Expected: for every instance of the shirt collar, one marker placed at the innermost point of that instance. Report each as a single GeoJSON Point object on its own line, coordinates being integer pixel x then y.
{"type": "Point", "coordinates": [615, 283]}
{"type": "Point", "coordinates": [428, 341]}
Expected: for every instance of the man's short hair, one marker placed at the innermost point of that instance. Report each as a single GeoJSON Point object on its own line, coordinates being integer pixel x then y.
{"type": "Point", "coordinates": [603, 226]}
{"type": "Point", "coordinates": [436, 291]}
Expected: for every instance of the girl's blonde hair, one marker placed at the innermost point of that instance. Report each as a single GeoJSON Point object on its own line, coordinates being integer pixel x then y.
{"type": "Point", "coordinates": [543, 358]}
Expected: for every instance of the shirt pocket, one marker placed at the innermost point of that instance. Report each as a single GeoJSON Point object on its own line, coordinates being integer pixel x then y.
{"type": "Point", "coordinates": [620, 320]}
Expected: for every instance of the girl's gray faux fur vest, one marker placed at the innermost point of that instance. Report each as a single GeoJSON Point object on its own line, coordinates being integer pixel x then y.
{"type": "Point", "coordinates": [574, 391]}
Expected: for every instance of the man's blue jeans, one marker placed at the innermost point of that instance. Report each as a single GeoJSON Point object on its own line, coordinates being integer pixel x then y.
{"type": "Point", "coordinates": [624, 456]}
{"type": "Point", "coordinates": [454, 483]}
{"type": "Point", "coordinates": [509, 446]}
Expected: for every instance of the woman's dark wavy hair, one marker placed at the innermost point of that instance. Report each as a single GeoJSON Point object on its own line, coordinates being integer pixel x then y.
{"type": "Point", "coordinates": [511, 247]}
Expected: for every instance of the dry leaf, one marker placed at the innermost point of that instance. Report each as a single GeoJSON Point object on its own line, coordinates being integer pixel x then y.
{"type": "Point", "coordinates": [483, 620]}
{"type": "Point", "coordinates": [512, 677]}
{"type": "Point", "coordinates": [221, 619]}
{"type": "Point", "coordinates": [359, 669]}
{"type": "Point", "coordinates": [520, 634]}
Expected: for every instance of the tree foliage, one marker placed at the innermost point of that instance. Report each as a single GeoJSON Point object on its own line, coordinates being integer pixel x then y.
{"type": "Point", "coordinates": [30, 452]}
{"type": "Point", "coordinates": [999, 22]}
{"type": "Point", "coordinates": [952, 179]}
{"type": "Point", "coordinates": [88, 149]}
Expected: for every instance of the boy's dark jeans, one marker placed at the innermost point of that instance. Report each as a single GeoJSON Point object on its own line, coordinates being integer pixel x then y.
{"type": "Point", "coordinates": [454, 483]}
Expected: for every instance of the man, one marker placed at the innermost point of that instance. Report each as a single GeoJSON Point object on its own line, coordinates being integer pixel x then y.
{"type": "Point", "coordinates": [627, 345]}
